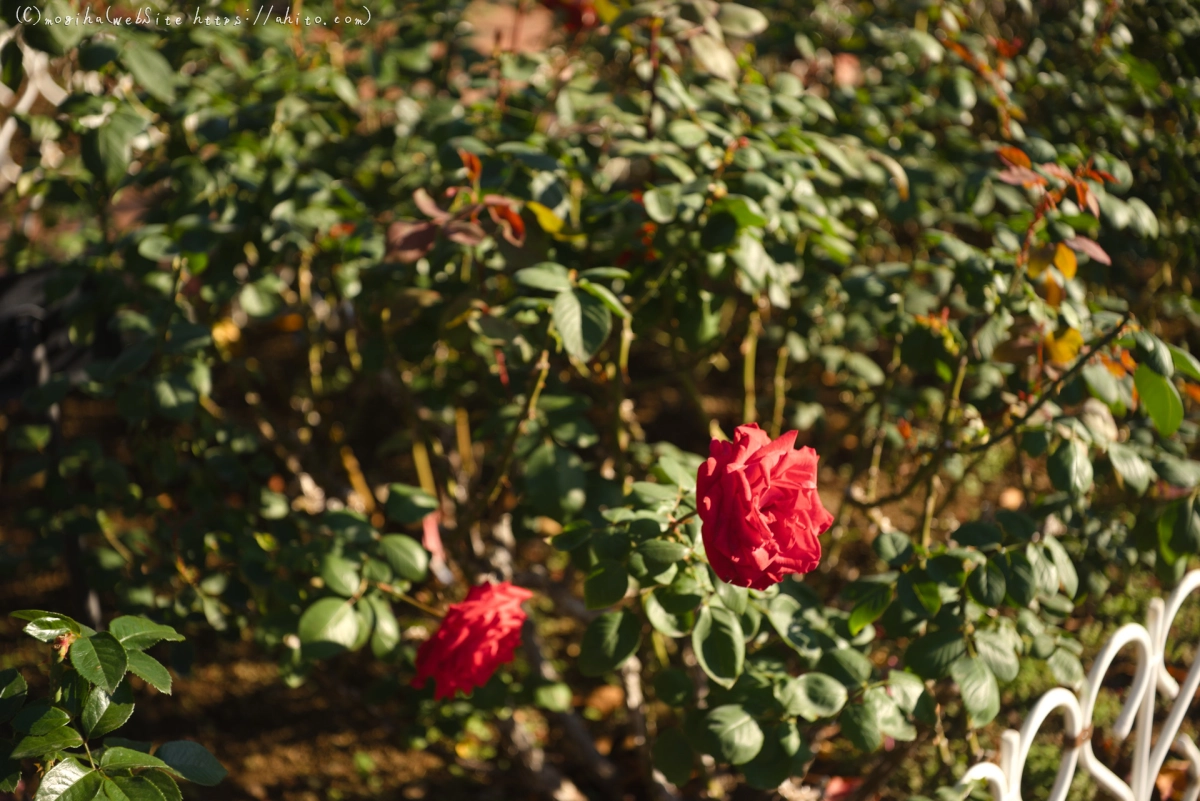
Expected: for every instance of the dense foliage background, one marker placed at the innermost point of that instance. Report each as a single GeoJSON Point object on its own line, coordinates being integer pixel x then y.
{"type": "Point", "coordinates": [336, 319]}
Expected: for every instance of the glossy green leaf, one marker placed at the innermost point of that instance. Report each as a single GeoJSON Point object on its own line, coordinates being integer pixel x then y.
{"type": "Point", "coordinates": [406, 557]}
{"type": "Point", "coordinates": [328, 627]}
{"type": "Point", "coordinates": [1160, 399]}
{"type": "Point", "coordinates": [582, 321]}
{"type": "Point", "coordinates": [719, 644]}
{"type": "Point", "coordinates": [150, 670]}
{"type": "Point", "coordinates": [608, 641]}
{"type": "Point", "coordinates": [980, 692]}
{"type": "Point", "coordinates": [733, 734]}
{"type": "Point", "coordinates": [138, 633]}
{"type": "Point", "coordinates": [101, 659]}
{"type": "Point", "coordinates": [192, 761]}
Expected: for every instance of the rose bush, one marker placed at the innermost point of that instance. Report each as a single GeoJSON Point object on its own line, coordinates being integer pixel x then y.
{"type": "Point", "coordinates": [322, 326]}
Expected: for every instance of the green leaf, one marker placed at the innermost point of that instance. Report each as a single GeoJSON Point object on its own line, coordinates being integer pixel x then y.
{"type": "Point", "coordinates": [192, 761]}
{"type": "Point", "coordinates": [996, 650]}
{"type": "Point", "coordinates": [673, 756]}
{"type": "Point", "coordinates": [547, 276]}
{"type": "Point", "coordinates": [106, 150]}
{"type": "Point", "coordinates": [860, 724]}
{"type": "Point", "coordinates": [1067, 668]}
{"type": "Point", "coordinates": [735, 599]}
{"type": "Point", "coordinates": [1185, 363]}
{"type": "Point", "coordinates": [386, 634]}
{"type": "Point", "coordinates": [104, 712]}
{"type": "Point", "coordinates": [782, 755]}
{"type": "Point", "coordinates": [741, 21]}
{"type": "Point", "coordinates": [608, 641]}
{"type": "Point", "coordinates": [978, 534]}
{"type": "Point", "coordinates": [674, 687]}
{"type": "Point", "coordinates": [138, 788]}
{"type": "Point", "coordinates": [47, 626]}
{"type": "Point", "coordinates": [12, 693]}
{"type": "Point", "coordinates": [69, 781]}
{"type": "Point", "coordinates": [893, 547]}
{"type": "Point", "coordinates": [686, 134]}
{"type": "Point", "coordinates": [606, 584]}
{"type": "Point", "coordinates": [931, 655]}
{"type": "Point", "coordinates": [407, 504]}
{"type": "Point", "coordinates": [554, 697]}
{"type": "Point", "coordinates": [846, 665]}
{"type": "Point", "coordinates": [33, 746]}
{"type": "Point", "coordinates": [987, 585]}
{"type": "Point", "coordinates": [126, 758]}
{"type": "Point", "coordinates": [661, 554]}
{"type": "Point", "coordinates": [605, 296]}
{"type": "Point", "coordinates": [1067, 576]}
{"type": "Point", "coordinates": [1160, 399]}
{"type": "Point", "coordinates": [1135, 471]}
{"type": "Point", "coordinates": [1185, 532]}
{"type": "Point", "coordinates": [732, 734]}
{"type": "Point", "coordinates": [582, 321]}
{"type": "Point", "coordinates": [1020, 579]}
{"type": "Point", "coordinates": [662, 202]}
{"type": "Point", "coordinates": [165, 785]}
{"type": "Point", "coordinates": [719, 644]}
{"type": "Point", "coordinates": [812, 696]}
{"type": "Point", "coordinates": [980, 692]}
{"type": "Point", "coordinates": [40, 719]}
{"type": "Point", "coordinates": [138, 633]}
{"type": "Point", "coordinates": [406, 556]}
{"type": "Point", "coordinates": [150, 69]}
{"type": "Point", "coordinates": [151, 671]}
{"type": "Point", "coordinates": [340, 575]}
{"type": "Point", "coordinates": [1069, 468]}
{"type": "Point", "coordinates": [672, 625]}
{"type": "Point", "coordinates": [889, 717]}
{"type": "Point", "coordinates": [101, 659]}
{"type": "Point", "coordinates": [328, 627]}
{"type": "Point", "coordinates": [911, 696]}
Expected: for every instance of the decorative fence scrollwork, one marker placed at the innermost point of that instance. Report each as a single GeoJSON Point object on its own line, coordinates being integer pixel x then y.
{"type": "Point", "coordinates": [1137, 716]}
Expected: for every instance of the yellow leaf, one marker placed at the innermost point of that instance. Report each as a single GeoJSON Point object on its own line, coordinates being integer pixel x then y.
{"type": "Point", "coordinates": [225, 332]}
{"type": "Point", "coordinates": [1039, 260]}
{"type": "Point", "coordinates": [550, 222]}
{"type": "Point", "coordinates": [1063, 349]}
{"type": "Point", "coordinates": [1054, 292]}
{"type": "Point", "coordinates": [1064, 260]}
{"type": "Point", "coordinates": [606, 11]}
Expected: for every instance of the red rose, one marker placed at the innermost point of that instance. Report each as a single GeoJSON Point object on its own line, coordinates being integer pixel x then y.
{"type": "Point", "coordinates": [760, 509]}
{"type": "Point", "coordinates": [476, 637]}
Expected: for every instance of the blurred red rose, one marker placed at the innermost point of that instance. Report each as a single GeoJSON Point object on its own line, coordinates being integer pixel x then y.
{"type": "Point", "coordinates": [760, 509]}
{"type": "Point", "coordinates": [476, 637]}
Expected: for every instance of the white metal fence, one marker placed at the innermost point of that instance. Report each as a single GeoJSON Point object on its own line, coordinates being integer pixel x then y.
{"type": "Point", "coordinates": [1137, 716]}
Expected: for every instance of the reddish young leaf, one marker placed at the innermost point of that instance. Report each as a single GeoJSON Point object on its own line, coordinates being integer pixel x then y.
{"type": "Point", "coordinates": [471, 162]}
{"type": "Point", "coordinates": [1014, 156]}
{"type": "Point", "coordinates": [464, 232]}
{"type": "Point", "coordinates": [1009, 49]}
{"type": "Point", "coordinates": [511, 224]}
{"type": "Point", "coordinates": [1021, 176]}
{"type": "Point", "coordinates": [1089, 248]}
{"type": "Point", "coordinates": [429, 207]}
{"type": "Point", "coordinates": [408, 241]}
{"type": "Point", "coordinates": [1055, 171]}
